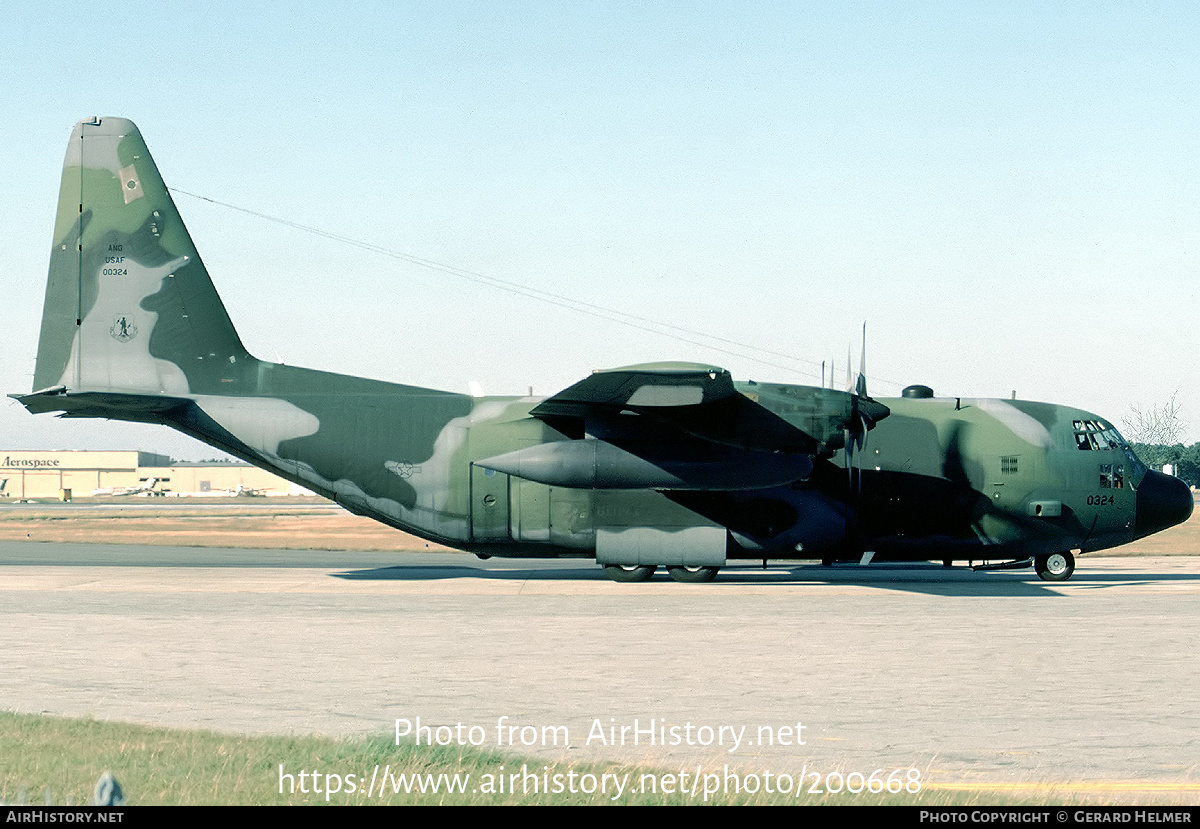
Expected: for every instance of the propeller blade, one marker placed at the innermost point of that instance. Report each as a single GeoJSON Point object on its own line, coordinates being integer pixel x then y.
{"type": "Point", "coordinates": [850, 439]}
{"type": "Point", "coordinates": [861, 387]}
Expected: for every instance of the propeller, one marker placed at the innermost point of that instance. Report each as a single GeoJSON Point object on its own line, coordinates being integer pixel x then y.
{"type": "Point", "coordinates": [857, 426]}
{"type": "Point", "coordinates": [854, 434]}
{"type": "Point", "coordinates": [861, 386]}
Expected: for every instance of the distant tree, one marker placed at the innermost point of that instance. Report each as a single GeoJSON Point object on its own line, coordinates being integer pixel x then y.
{"type": "Point", "coordinates": [1157, 425]}
{"type": "Point", "coordinates": [1188, 465]}
{"type": "Point", "coordinates": [1185, 459]}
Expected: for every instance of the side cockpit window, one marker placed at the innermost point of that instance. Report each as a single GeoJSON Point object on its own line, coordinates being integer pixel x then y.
{"type": "Point", "coordinates": [1112, 476]}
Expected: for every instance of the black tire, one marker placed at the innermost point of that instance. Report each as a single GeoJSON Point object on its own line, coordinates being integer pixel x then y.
{"type": "Point", "coordinates": [693, 575]}
{"type": "Point", "coordinates": [1055, 566]}
{"type": "Point", "coordinates": [629, 573]}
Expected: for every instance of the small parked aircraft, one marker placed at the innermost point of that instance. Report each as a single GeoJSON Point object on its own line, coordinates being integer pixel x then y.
{"type": "Point", "coordinates": [146, 486]}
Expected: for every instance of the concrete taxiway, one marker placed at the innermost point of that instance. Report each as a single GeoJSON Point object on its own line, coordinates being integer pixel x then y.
{"type": "Point", "coordinates": [964, 676]}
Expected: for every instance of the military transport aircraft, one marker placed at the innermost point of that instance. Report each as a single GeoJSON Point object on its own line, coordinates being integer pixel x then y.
{"type": "Point", "coordinates": [669, 465]}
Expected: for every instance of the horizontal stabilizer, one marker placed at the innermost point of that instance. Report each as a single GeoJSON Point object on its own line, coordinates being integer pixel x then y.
{"type": "Point", "coordinates": [140, 407]}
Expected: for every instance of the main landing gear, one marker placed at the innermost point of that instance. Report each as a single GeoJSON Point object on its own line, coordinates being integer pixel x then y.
{"type": "Point", "coordinates": [641, 572]}
{"type": "Point", "coordinates": [693, 574]}
{"type": "Point", "coordinates": [629, 572]}
{"type": "Point", "coordinates": [1055, 566]}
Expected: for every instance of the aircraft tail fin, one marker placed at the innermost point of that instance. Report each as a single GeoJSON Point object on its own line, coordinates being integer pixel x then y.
{"type": "Point", "coordinates": [129, 307]}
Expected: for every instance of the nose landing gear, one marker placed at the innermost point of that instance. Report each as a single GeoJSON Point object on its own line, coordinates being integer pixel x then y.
{"type": "Point", "coordinates": [1054, 566]}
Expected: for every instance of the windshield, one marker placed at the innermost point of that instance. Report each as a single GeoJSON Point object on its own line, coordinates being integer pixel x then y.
{"type": "Point", "coordinates": [1097, 436]}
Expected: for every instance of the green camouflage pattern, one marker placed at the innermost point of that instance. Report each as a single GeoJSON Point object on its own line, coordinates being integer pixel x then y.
{"type": "Point", "coordinates": [667, 464]}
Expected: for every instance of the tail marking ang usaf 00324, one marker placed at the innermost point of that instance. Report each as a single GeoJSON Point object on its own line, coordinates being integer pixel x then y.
{"type": "Point", "coordinates": [670, 465]}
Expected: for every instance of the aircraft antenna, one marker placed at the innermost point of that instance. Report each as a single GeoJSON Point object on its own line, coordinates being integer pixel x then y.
{"type": "Point", "coordinates": [691, 336]}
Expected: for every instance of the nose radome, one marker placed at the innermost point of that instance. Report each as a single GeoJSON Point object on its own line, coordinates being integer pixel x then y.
{"type": "Point", "coordinates": [1162, 501]}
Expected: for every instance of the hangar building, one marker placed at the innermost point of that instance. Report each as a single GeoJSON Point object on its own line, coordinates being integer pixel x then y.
{"type": "Point", "coordinates": [32, 474]}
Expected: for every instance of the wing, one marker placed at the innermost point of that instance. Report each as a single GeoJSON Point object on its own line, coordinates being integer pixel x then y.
{"type": "Point", "coordinates": [685, 426]}
{"type": "Point", "coordinates": [697, 400]}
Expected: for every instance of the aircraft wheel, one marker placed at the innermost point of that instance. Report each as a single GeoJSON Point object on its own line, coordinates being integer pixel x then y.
{"type": "Point", "coordinates": [629, 572]}
{"type": "Point", "coordinates": [693, 574]}
{"type": "Point", "coordinates": [1055, 566]}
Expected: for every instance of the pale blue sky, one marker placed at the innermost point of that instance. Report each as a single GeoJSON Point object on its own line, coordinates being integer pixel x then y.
{"type": "Point", "coordinates": [1007, 193]}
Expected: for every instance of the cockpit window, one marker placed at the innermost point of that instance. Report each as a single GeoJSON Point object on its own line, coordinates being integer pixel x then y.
{"type": "Point", "coordinates": [1095, 435]}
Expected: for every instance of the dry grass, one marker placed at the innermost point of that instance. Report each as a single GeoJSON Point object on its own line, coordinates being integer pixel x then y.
{"type": "Point", "coordinates": [286, 527]}
{"type": "Point", "coordinates": [1181, 540]}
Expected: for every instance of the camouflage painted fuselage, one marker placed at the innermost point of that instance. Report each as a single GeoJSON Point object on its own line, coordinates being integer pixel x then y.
{"type": "Point", "coordinates": [656, 464]}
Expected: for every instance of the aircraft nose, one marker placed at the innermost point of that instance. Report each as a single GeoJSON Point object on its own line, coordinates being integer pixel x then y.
{"type": "Point", "coordinates": [1162, 501]}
